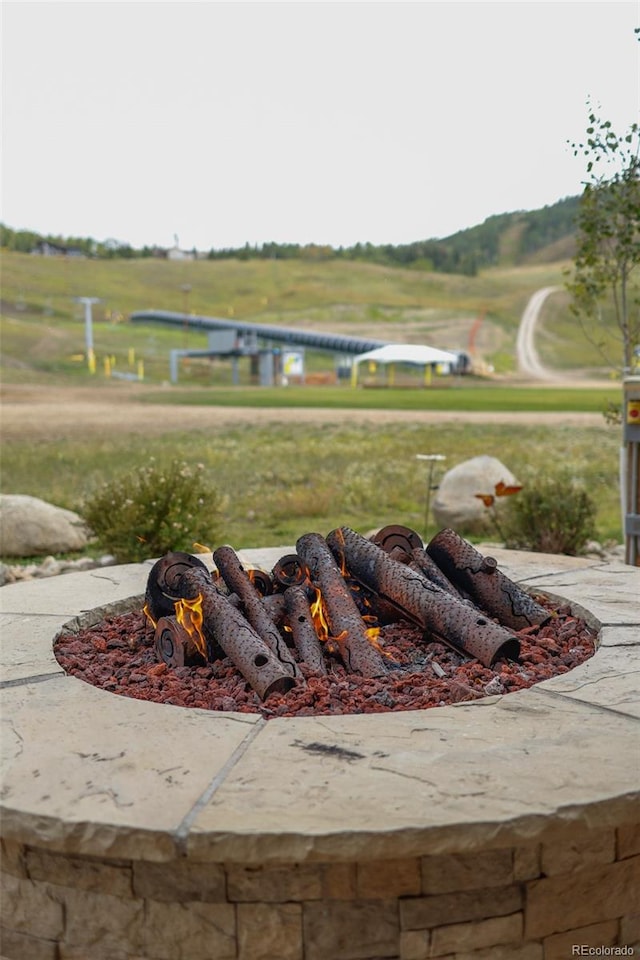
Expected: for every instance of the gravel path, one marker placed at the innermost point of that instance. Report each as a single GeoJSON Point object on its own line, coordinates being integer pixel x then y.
{"type": "Point", "coordinates": [529, 363]}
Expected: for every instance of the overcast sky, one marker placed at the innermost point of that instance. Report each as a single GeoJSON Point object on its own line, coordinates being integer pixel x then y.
{"type": "Point", "coordinates": [226, 123]}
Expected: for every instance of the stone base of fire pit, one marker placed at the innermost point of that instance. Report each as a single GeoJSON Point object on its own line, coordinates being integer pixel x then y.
{"type": "Point", "coordinates": [508, 827]}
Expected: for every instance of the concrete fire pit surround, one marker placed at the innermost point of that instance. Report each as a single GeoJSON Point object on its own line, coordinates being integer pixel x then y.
{"type": "Point", "coordinates": [506, 829]}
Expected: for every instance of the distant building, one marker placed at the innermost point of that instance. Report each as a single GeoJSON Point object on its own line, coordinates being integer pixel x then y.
{"type": "Point", "coordinates": [47, 249]}
{"type": "Point", "coordinates": [175, 253]}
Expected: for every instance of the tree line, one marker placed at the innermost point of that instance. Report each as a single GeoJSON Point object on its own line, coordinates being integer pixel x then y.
{"type": "Point", "coordinates": [464, 252]}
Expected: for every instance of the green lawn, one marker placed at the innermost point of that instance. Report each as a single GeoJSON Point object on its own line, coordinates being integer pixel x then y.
{"type": "Point", "coordinates": [453, 395]}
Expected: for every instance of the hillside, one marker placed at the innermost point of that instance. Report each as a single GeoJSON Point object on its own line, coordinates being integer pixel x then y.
{"type": "Point", "coordinates": [507, 239]}
{"type": "Point", "coordinates": [465, 292]}
{"type": "Point", "coordinates": [43, 325]}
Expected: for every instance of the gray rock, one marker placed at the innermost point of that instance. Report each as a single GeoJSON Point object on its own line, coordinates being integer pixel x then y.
{"type": "Point", "coordinates": [50, 567]}
{"type": "Point", "coordinates": [456, 503]}
{"type": "Point", "coordinates": [31, 527]}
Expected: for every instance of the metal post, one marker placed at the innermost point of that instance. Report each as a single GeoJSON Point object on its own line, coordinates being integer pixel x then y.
{"type": "Point", "coordinates": [88, 319]}
{"type": "Point", "coordinates": [88, 328]}
{"type": "Point", "coordinates": [186, 290]}
{"type": "Point", "coordinates": [432, 458]}
{"type": "Point", "coordinates": [173, 365]}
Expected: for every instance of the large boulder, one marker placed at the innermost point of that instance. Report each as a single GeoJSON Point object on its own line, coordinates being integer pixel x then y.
{"type": "Point", "coordinates": [456, 503]}
{"type": "Point", "coordinates": [30, 527]}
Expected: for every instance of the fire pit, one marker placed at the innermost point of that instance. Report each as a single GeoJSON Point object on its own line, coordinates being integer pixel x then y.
{"type": "Point", "coordinates": [503, 827]}
{"type": "Point", "coordinates": [345, 625]}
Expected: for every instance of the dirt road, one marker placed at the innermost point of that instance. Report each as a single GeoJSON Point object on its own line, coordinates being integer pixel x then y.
{"type": "Point", "coordinates": [41, 413]}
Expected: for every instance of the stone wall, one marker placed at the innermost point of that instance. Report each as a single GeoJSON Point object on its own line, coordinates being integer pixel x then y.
{"type": "Point", "coordinates": [524, 903]}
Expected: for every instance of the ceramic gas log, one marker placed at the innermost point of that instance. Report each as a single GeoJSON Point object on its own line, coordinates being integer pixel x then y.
{"type": "Point", "coordinates": [331, 605]}
{"type": "Point", "coordinates": [443, 616]}
{"type": "Point", "coordinates": [347, 628]}
{"type": "Point", "coordinates": [210, 621]}
{"type": "Point", "coordinates": [478, 578]}
{"type": "Point", "coordinates": [299, 618]}
{"type": "Point", "coordinates": [239, 582]}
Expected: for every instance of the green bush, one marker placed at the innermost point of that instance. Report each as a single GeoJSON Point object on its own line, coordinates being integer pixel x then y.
{"type": "Point", "coordinates": [154, 510]}
{"type": "Point", "coordinates": [552, 514]}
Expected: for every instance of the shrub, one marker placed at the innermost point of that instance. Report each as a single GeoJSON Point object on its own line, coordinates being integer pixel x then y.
{"type": "Point", "coordinates": [553, 514]}
{"type": "Point", "coordinates": [154, 510]}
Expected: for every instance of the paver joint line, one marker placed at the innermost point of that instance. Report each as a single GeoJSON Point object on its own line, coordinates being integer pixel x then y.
{"type": "Point", "coordinates": [557, 694]}
{"type": "Point", "coordinates": [182, 832]}
{"type": "Point", "coordinates": [34, 678]}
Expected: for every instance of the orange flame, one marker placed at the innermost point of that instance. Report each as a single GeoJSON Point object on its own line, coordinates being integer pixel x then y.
{"type": "Point", "coordinates": [147, 613]}
{"type": "Point", "coordinates": [189, 616]}
{"type": "Point", "coordinates": [372, 636]}
{"type": "Point", "coordinates": [339, 535]}
{"type": "Point", "coordinates": [334, 644]}
{"type": "Point", "coordinates": [201, 547]}
{"type": "Point", "coordinates": [259, 578]}
{"type": "Point", "coordinates": [319, 618]}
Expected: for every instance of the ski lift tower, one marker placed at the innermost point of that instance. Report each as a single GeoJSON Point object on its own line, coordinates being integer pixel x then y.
{"type": "Point", "coordinates": [88, 329]}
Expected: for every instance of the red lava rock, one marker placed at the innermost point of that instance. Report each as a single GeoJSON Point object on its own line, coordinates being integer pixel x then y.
{"type": "Point", "coordinates": [118, 655]}
{"type": "Point", "coordinates": [158, 669]}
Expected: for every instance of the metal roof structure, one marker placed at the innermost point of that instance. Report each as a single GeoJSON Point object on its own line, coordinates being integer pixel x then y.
{"type": "Point", "coordinates": [332, 342]}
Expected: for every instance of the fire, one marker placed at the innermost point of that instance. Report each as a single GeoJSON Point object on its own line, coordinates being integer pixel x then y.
{"type": "Point", "coordinates": [372, 636]}
{"type": "Point", "coordinates": [319, 618]}
{"type": "Point", "coordinates": [189, 616]}
{"type": "Point", "coordinates": [323, 631]}
{"type": "Point", "coordinates": [333, 644]}
{"type": "Point", "coordinates": [343, 560]}
{"type": "Point", "coordinates": [201, 547]}
{"type": "Point", "coordinates": [147, 613]}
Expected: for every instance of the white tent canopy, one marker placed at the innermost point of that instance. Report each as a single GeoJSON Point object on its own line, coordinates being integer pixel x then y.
{"type": "Point", "coordinates": [414, 353]}
{"type": "Point", "coordinates": [407, 353]}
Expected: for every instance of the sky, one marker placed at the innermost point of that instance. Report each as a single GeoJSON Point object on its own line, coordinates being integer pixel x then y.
{"type": "Point", "coordinates": [302, 122]}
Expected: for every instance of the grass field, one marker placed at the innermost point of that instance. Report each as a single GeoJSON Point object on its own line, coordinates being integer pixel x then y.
{"type": "Point", "coordinates": [264, 289]}
{"type": "Point", "coordinates": [282, 481]}
{"type": "Point", "coordinates": [455, 395]}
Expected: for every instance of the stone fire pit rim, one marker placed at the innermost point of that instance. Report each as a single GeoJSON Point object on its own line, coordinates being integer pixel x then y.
{"type": "Point", "coordinates": [91, 773]}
